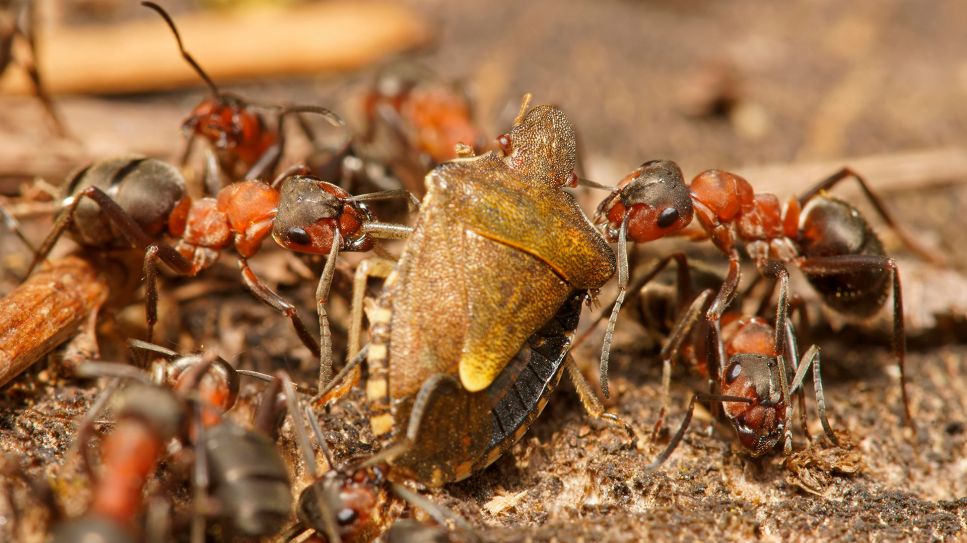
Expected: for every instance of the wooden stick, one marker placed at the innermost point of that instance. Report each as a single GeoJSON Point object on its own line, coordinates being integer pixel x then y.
{"type": "Point", "coordinates": [141, 55]}
{"type": "Point", "coordinates": [893, 172]}
{"type": "Point", "coordinates": [45, 311]}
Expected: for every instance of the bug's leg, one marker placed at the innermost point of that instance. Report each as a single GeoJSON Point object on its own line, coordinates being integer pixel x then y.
{"type": "Point", "coordinates": [832, 265]}
{"type": "Point", "coordinates": [370, 267]}
{"type": "Point", "coordinates": [613, 319]}
{"type": "Point", "coordinates": [271, 298]}
{"type": "Point", "coordinates": [683, 327]}
{"type": "Point", "coordinates": [439, 513]}
{"type": "Point", "coordinates": [923, 252]}
{"type": "Point", "coordinates": [592, 405]}
{"type": "Point", "coordinates": [347, 377]}
{"type": "Point", "coordinates": [812, 358]}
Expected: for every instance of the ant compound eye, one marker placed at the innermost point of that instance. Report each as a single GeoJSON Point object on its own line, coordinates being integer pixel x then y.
{"type": "Point", "coordinates": [345, 516]}
{"type": "Point", "coordinates": [505, 143]}
{"type": "Point", "coordinates": [667, 217]}
{"type": "Point", "coordinates": [298, 236]}
{"type": "Point", "coordinates": [734, 371]}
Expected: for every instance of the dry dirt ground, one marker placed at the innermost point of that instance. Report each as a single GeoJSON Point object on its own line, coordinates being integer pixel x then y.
{"type": "Point", "coordinates": [808, 81]}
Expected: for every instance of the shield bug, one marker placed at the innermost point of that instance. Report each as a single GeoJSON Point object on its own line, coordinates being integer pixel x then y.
{"type": "Point", "coordinates": [471, 332]}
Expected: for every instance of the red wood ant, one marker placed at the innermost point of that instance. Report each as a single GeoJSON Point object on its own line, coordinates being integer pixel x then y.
{"type": "Point", "coordinates": [415, 122]}
{"type": "Point", "coordinates": [828, 239]}
{"type": "Point", "coordinates": [241, 469]}
{"type": "Point", "coordinates": [128, 202]}
{"type": "Point", "coordinates": [18, 21]}
{"type": "Point", "coordinates": [352, 503]}
{"type": "Point", "coordinates": [754, 389]}
{"type": "Point", "coordinates": [246, 145]}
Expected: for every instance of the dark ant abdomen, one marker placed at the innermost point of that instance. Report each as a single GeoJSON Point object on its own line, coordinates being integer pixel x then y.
{"type": "Point", "coordinates": [249, 478]}
{"type": "Point", "coordinates": [829, 227]}
{"type": "Point", "coordinates": [145, 188]}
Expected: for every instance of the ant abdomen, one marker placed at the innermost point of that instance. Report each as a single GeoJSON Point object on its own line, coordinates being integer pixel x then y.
{"type": "Point", "coordinates": [829, 227]}
{"type": "Point", "coordinates": [145, 188]}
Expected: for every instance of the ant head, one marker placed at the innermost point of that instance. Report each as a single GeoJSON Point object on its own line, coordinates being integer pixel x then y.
{"type": "Point", "coordinates": [759, 424]}
{"type": "Point", "coordinates": [212, 378]}
{"type": "Point", "coordinates": [310, 213]}
{"type": "Point", "coordinates": [655, 200]}
{"type": "Point", "coordinates": [355, 501]}
{"type": "Point", "coordinates": [225, 123]}
{"type": "Point", "coordinates": [441, 118]}
{"type": "Point", "coordinates": [542, 144]}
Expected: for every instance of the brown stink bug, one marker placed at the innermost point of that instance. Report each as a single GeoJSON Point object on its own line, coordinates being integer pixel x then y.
{"type": "Point", "coordinates": [472, 330]}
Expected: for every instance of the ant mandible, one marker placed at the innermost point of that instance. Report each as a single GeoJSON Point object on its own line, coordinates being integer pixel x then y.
{"type": "Point", "coordinates": [827, 238]}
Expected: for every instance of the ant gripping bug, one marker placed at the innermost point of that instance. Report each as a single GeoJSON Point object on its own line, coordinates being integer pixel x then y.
{"type": "Point", "coordinates": [132, 202]}
{"type": "Point", "coordinates": [827, 238]}
{"type": "Point", "coordinates": [247, 147]}
{"type": "Point", "coordinates": [351, 503]}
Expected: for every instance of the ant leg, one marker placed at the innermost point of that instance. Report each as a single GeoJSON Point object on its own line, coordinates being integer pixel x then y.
{"type": "Point", "coordinates": [412, 202]}
{"type": "Point", "coordinates": [833, 265]}
{"type": "Point", "coordinates": [272, 299]}
{"type": "Point", "coordinates": [383, 230]}
{"type": "Point", "coordinates": [592, 405]}
{"type": "Point", "coordinates": [291, 171]}
{"type": "Point", "coordinates": [812, 357]}
{"type": "Point", "coordinates": [439, 513]}
{"type": "Point", "coordinates": [40, 91]}
{"type": "Point", "coordinates": [923, 252]}
{"type": "Point", "coordinates": [683, 327]}
{"type": "Point", "coordinates": [322, 298]}
{"type": "Point", "coordinates": [86, 428]}
{"type": "Point", "coordinates": [713, 316]}
{"type": "Point", "coordinates": [186, 154]}
{"type": "Point", "coordinates": [214, 176]}
{"type": "Point", "coordinates": [613, 319]}
{"type": "Point", "coordinates": [171, 257]}
{"type": "Point", "coordinates": [199, 480]}
{"type": "Point", "coordinates": [266, 418]}
{"type": "Point", "coordinates": [677, 438]}
{"type": "Point", "coordinates": [340, 384]}
{"type": "Point", "coordinates": [370, 267]}
{"type": "Point", "coordinates": [777, 270]}
{"type": "Point", "coordinates": [792, 347]}
{"type": "Point", "coordinates": [683, 288]}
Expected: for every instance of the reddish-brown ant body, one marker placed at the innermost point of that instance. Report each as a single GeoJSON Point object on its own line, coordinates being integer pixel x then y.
{"type": "Point", "coordinates": [246, 145]}
{"type": "Point", "coordinates": [240, 469]}
{"type": "Point", "coordinates": [414, 122]}
{"type": "Point", "coordinates": [752, 383]}
{"type": "Point", "coordinates": [828, 239]}
{"type": "Point", "coordinates": [134, 201]}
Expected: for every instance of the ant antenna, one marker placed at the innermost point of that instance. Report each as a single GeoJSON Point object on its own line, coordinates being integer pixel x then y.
{"type": "Point", "coordinates": [184, 54]}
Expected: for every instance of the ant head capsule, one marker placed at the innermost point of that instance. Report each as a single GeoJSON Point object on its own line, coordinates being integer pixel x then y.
{"type": "Point", "coordinates": [655, 200]}
{"type": "Point", "coordinates": [355, 501]}
{"type": "Point", "coordinates": [759, 424]}
{"type": "Point", "coordinates": [311, 211]}
{"type": "Point", "coordinates": [227, 125]}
